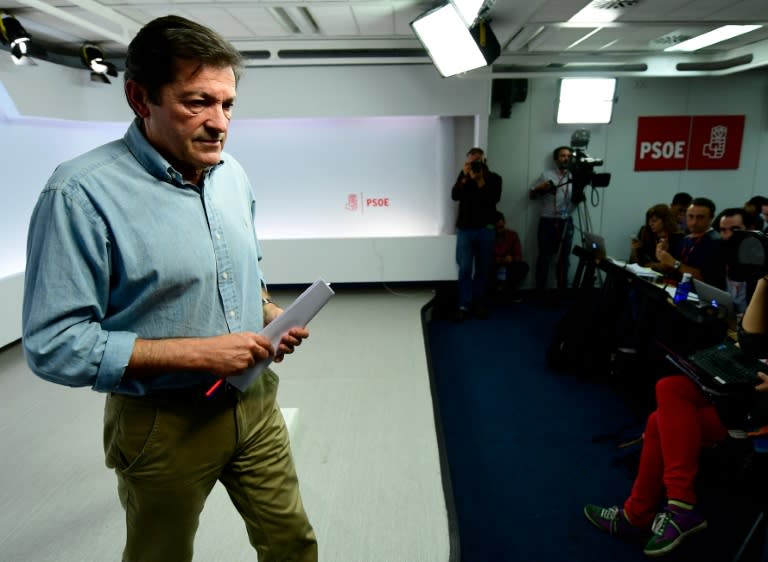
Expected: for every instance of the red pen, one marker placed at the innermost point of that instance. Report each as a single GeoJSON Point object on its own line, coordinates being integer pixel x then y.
{"type": "Point", "coordinates": [213, 388]}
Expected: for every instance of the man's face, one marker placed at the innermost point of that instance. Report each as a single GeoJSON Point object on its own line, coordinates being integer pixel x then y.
{"type": "Point", "coordinates": [678, 211]}
{"type": "Point", "coordinates": [189, 125]}
{"type": "Point", "coordinates": [563, 158]}
{"type": "Point", "coordinates": [698, 219]}
{"type": "Point", "coordinates": [729, 224]}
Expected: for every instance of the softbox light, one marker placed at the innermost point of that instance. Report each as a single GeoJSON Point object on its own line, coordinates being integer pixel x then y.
{"type": "Point", "coordinates": [452, 46]}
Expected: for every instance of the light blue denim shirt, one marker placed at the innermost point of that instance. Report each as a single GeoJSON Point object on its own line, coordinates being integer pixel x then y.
{"type": "Point", "coordinates": [119, 248]}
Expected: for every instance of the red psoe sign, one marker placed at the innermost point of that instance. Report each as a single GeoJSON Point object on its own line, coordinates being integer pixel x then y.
{"type": "Point", "coordinates": [662, 143]}
{"type": "Point", "coordinates": [681, 142]}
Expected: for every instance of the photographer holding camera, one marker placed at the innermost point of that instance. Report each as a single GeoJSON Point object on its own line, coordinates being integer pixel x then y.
{"type": "Point", "coordinates": [554, 192]}
{"type": "Point", "coordinates": [477, 190]}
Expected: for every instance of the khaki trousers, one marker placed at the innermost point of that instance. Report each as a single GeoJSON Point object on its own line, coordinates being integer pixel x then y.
{"type": "Point", "coordinates": [168, 451]}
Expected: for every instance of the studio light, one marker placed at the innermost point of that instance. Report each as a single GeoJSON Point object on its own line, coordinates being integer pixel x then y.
{"type": "Point", "coordinates": [586, 100]}
{"type": "Point", "coordinates": [93, 59]}
{"type": "Point", "coordinates": [453, 47]}
{"type": "Point", "coordinates": [16, 37]}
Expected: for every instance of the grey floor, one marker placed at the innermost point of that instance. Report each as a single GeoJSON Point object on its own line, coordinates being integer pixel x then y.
{"type": "Point", "coordinates": [357, 400]}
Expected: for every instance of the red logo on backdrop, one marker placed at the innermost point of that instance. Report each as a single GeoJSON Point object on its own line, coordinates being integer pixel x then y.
{"type": "Point", "coordinates": [679, 142]}
{"type": "Point", "coordinates": [716, 142]}
{"type": "Point", "coordinates": [351, 202]}
{"type": "Point", "coordinates": [356, 201]}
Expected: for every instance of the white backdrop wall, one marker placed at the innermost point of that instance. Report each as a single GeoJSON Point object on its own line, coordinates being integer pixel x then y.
{"type": "Point", "coordinates": [349, 165]}
{"type": "Point", "coordinates": [336, 132]}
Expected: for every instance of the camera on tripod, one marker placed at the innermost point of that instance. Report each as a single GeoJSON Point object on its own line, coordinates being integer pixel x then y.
{"type": "Point", "coordinates": [582, 166]}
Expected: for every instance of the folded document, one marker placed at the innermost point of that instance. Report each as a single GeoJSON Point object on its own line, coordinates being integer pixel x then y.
{"type": "Point", "coordinates": [301, 311]}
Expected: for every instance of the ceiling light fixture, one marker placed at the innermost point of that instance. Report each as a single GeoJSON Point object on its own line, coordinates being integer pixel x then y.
{"type": "Point", "coordinates": [14, 35]}
{"type": "Point", "coordinates": [452, 46]}
{"type": "Point", "coordinates": [93, 59]}
{"type": "Point", "coordinates": [715, 36]}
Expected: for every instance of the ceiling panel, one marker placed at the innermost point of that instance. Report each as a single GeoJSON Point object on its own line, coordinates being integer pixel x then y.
{"type": "Point", "coordinates": [526, 28]}
{"type": "Point", "coordinates": [375, 20]}
{"type": "Point", "coordinates": [335, 21]}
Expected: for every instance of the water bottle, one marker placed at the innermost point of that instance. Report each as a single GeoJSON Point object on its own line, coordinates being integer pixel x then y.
{"type": "Point", "coordinates": [683, 288]}
{"type": "Point", "coordinates": [760, 444]}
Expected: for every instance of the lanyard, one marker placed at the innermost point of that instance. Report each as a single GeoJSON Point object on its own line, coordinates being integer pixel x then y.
{"type": "Point", "coordinates": [688, 249]}
{"type": "Point", "coordinates": [564, 211]}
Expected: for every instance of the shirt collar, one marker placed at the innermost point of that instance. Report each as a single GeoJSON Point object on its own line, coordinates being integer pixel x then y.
{"type": "Point", "coordinates": [152, 161]}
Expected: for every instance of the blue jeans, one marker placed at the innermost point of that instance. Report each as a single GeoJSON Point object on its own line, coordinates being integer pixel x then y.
{"type": "Point", "coordinates": [555, 238]}
{"type": "Point", "coordinates": [474, 252]}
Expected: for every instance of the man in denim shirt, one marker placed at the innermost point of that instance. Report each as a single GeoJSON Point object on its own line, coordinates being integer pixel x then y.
{"type": "Point", "coordinates": [143, 282]}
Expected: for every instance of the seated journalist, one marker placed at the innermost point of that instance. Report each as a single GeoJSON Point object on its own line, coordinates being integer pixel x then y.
{"type": "Point", "coordinates": [661, 507]}
{"type": "Point", "coordinates": [701, 251]}
{"type": "Point", "coordinates": [509, 269]}
{"type": "Point", "coordinates": [660, 228]}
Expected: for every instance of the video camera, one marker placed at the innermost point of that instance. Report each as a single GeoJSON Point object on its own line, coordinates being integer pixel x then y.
{"type": "Point", "coordinates": [477, 166]}
{"type": "Point", "coordinates": [746, 255]}
{"type": "Point", "coordinates": [582, 167]}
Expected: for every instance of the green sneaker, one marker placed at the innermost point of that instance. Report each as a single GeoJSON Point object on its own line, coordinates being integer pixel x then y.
{"type": "Point", "coordinates": [613, 521]}
{"type": "Point", "coordinates": [670, 527]}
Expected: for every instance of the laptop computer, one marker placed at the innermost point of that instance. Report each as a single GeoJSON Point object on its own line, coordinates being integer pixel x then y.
{"type": "Point", "coordinates": [721, 370]}
{"type": "Point", "coordinates": [594, 243]}
{"type": "Point", "coordinates": [719, 301]}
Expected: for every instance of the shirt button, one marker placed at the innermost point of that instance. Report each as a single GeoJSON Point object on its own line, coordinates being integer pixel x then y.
{"type": "Point", "coordinates": [225, 275]}
{"type": "Point", "coordinates": [231, 313]}
{"type": "Point", "coordinates": [218, 236]}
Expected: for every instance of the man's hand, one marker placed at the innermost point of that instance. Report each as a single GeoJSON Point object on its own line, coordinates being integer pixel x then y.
{"type": "Point", "coordinates": [271, 311]}
{"type": "Point", "coordinates": [763, 386]}
{"type": "Point", "coordinates": [231, 354]}
{"type": "Point", "coordinates": [289, 341]}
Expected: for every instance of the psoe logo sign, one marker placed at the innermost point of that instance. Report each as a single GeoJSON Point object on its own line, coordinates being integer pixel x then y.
{"type": "Point", "coordinates": [359, 202]}
{"type": "Point", "coordinates": [689, 142]}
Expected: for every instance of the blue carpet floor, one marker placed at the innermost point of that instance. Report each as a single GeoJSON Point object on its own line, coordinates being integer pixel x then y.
{"type": "Point", "coordinates": [518, 440]}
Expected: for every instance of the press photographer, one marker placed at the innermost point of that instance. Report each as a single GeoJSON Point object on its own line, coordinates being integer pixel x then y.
{"type": "Point", "coordinates": [477, 189]}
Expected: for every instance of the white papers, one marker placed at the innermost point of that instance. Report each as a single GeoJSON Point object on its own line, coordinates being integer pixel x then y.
{"type": "Point", "coordinates": [301, 311]}
{"type": "Point", "coordinates": [644, 272]}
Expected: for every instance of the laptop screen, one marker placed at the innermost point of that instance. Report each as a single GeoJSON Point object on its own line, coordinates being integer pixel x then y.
{"type": "Point", "coordinates": [718, 299]}
{"type": "Point", "coordinates": [594, 243]}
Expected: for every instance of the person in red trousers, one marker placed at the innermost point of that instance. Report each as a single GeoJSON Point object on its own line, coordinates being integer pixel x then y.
{"type": "Point", "coordinates": [683, 423]}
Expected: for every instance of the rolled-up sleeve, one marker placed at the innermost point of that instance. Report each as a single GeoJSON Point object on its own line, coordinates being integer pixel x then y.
{"type": "Point", "coordinates": [66, 295]}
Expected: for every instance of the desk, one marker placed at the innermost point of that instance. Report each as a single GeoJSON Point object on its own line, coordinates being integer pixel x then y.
{"type": "Point", "coordinates": [629, 311]}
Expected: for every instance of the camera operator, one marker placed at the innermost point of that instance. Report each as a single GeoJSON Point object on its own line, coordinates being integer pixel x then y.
{"type": "Point", "coordinates": [477, 190]}
{"type": "Point", "coordinates": [554, 192]}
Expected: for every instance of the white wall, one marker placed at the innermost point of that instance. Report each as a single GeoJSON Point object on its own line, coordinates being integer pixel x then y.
{"type": "Point", "coordinates": [309, 137]}
{"type": "Point", "coordinates": [518, 148]}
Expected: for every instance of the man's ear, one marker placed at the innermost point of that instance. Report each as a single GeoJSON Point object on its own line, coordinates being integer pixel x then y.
{"type": "Point", "coordinates": [137, 98]}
